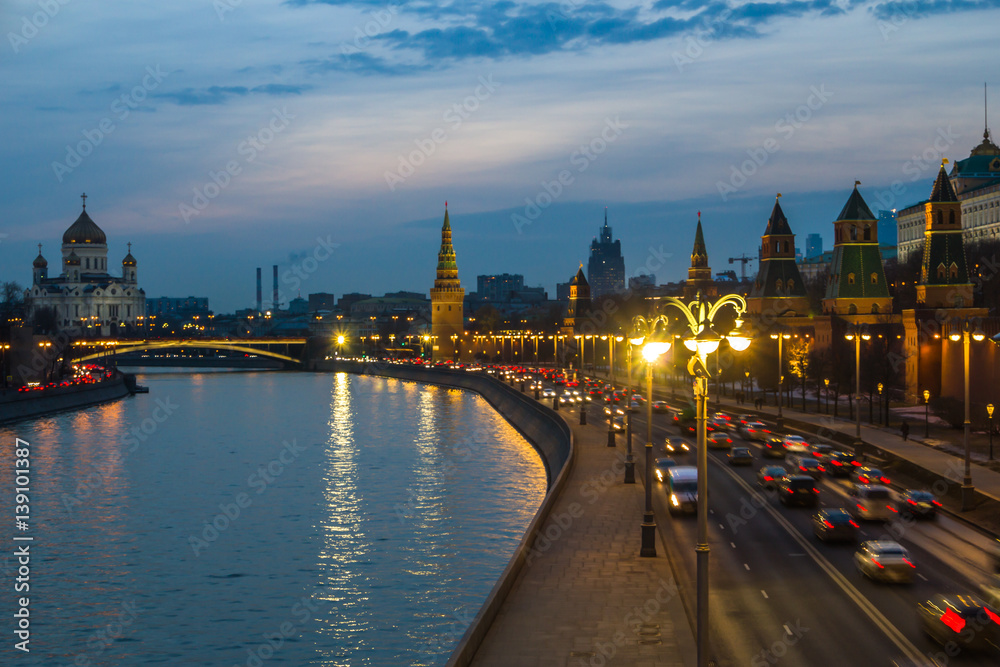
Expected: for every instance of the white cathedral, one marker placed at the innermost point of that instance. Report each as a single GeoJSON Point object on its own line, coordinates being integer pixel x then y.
{"type": "Point", "coordinates": [85, 299]}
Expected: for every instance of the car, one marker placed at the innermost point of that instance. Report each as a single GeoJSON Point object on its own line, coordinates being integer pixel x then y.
{"type": "Point", "coordinates": [682, 489]}
{"type": "Point", "coordinates": [768, 476]}
{"type": "Point", "coordinates": [821, 451]}
{"type": "Point", "coordinates": [719, 440]}
{"type": "Point", "coordinates": [676, 445]}
{"type": "Point", "coordinates": [841, 464]}
{"type": "Point", "coordinates": [918, 504]}
{"type": "Point", "coordinates": [960, 620]}
{"type": "Point", "coordinates": [634, 406]}
{"type": "Point", "coordinates": [884, 560]}
{"type": "Point", "coordinates": [866, 475]}
{"type": "Point", "coordinates": [618, 423]}
{"type": "Point", "coordinates": [871, 502]}
{"type": "Point", "coordinates": [661, 467]}
{"type": "Point", "coordinates": [660, 407]}
{"type": "Point", "coordinates": [755, 431]}
{"type": "Point", "coordinates": [724, 420]}
{"type": "Point", "coordinates": [548, 393]}
{"type": "Point", "coordinates": [773, 447]}
{"type": "Point", "coordinates": [835, 525]}
{"type": "Point", "coordinates": [740, 456]}
{"type": "Point", "coordinates": [805, 465]}
{"type": "Point", "coordinates": [798, 490]}
{"type": "Point", "coordinates": [796, 444]}
{"type": "Point", "coordinates": [613, 410]}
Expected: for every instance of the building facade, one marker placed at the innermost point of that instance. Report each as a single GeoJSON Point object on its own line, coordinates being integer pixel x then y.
{"type": "Point", "coordinates": [857, 284]}
{"type": "Point", "coordinates": [778, 288]}
{"type": "Point", "coordinates": [84, 299]}
{"type": "Point", "coordinates": [606, 267]}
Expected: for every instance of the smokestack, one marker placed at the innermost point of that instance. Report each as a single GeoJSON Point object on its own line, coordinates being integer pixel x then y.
{"type": "Point", "coordinates": [260, 303]}
{"type": "Point", "coordinates": [275, 306]}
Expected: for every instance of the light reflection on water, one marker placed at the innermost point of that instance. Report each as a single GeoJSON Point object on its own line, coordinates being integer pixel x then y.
{"type": "Point", "coordinates": [398, 506]}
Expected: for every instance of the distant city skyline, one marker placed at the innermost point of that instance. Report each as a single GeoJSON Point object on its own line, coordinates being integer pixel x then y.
{"type": "Point", "coordinates": [238, 135]}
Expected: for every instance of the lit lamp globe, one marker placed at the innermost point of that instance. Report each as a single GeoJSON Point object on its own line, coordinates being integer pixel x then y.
{"type": "Point", "coordinates": [652, 350]}
{"type": "Point", "coordinates": [738, 340]}
{"type": "Point", "coordinates": [706, 342]}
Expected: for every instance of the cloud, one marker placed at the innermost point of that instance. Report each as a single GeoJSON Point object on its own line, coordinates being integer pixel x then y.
{"type": "Point", "coordinates": [362, 63]}
{"type": "Point", "coordinates": [925, 8]}
{"type": "Point", "coordinates": [222, 94]}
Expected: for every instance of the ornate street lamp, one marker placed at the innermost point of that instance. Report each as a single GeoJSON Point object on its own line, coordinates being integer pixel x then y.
{"type": "Point", "coordinates": [989, 411]}
{"type": "Point", "coordinates": [880, 387]}
{"type": "Point", "coordinates": [649, 335]}
{"type": "Point", "coordinates": [700, 338]}
{"type": "Point", "coordinates": [856, 334]}
{"type": "Point", "coordinates": [965, 333]}
{"type": "Point", "coordinates": [927, 413]}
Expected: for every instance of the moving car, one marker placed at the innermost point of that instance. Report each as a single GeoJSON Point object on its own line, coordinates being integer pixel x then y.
{"type": "Point", "coordinates": [918, 504]}
{"type": "Point", "coordinates": [755, 431]}
{"type": "Point", "coordinates": [719, 440]}
{"type": "Point", "coordinates": [796, 444]}
{"type": "Point", "coordinates": [773, 447]}
{"type": "Point", "coordinates": [660, 407]}
{"type": "Point", "coordinates": [618, 423]}
{"type": "Point", "coordinates": [841, 464]}
{"type": "Point", "coordinates": [866, 475]}
{"type": "Point", "coordinates": [676, 445]}
{"type": "Point", "coordinates": [798, 490]}
{"type": "Point", "coordinates": [662, 467]}
{"type": "Point", "coordinates": [961, 620]}
{"type": "Point", "coordinates": [740, 456]}
{"type": "Point", "coordinates": [768, 476]}
{"type": "Point", "coordinates": [884, 560]}
{"type": "Point", "coordinates": [682, 489]}
{"type": "Point", "coordinates": [805, 465]}
{"type": "Point", "coordinates": [821, 451]}
{"type": "Point", "coordinates": [835, 525]}
{"type": "Point", "coordinates": [871, 502]}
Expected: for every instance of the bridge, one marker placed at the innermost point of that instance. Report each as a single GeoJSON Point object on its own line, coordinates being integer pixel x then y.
{"type": "Point", "coordinates": [261, 347]}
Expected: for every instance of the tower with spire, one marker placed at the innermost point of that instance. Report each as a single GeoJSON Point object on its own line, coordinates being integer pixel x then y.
{"type": "Point", "coordinates": [700, 274]}
{"type": "Point", "coordinates": [779, 288]}
{"type": "Point", "coordinates": [944, 276]}
{"type": "Point", "coordinates": [84, 298]}
{"type": "Point", "coordinates": [856, 285]}
{"type": "Point", "coordinates": [579, 302]}
{"type": "Point", "coordinates": [606, 266]}
{"type": "Point", "coordinates": [447, 300]}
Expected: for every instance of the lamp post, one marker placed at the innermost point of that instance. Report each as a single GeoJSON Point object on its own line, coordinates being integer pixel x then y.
{"type": "Point", "coordinates": [648, 334]}
{"type": "Point", "coordinates": [856, 334]}
{"type": "Point", "coordinates": [826, 383]}
{"type": "Point", "coordinates": [965, 334]}
{"type": "Point", "coordinates": [701, 339]}
{"type": "Point", "coordinates": [746, 389]}
{"type": "Point", "coordinates": [927, 413]}
{"type": "Point", "coordinates": [989, 411]}
{"type": "Point", "coordinates": [3, 364]}
{"type": "Point", "coordinates": [880, 386]}
{"type": "Point", "coordinates": [629, 458]}
{"type": "Point", "coordinates": [781, 377]}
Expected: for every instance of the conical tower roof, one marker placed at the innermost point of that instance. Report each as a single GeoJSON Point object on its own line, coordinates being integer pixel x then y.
{"type": "Point", "coordinates": [446, 255]}
{"type": "Point", "coordinates": [777, 223]}
{"type": "Point", "coordinates": [699, 254]}
{"type": "Point", "coordinates": [856, 208]}
{"type": "Point", "coordinates": [579, 278]}
{"type": "Point", "coordinates": [943, 192]}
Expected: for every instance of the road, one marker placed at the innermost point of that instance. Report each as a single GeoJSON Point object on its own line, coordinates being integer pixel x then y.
{"type": "Point", "coordinates": [781, 596]}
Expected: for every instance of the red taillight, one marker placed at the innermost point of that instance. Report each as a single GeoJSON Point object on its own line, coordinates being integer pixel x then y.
{"type": "Point", "coordinates": [862, 508]}
{"type": "Point", "coordinates": [803, 469]}
{"type": "Point", "coordinates": [880, 566]}
{"type": "Point", "coordinates": [821, 468]}
{"type": "Point", "coordinates": [836, 463]}
{"type": "Point", "coordinates": [815, 490]}
{"type": "Point", "coordinates": [768, 478]}
{"type": "Point", "coordinates": [855, 463]}
{"type": "Point", "coordinates": [884, 480]}
{"type": "Point", "coordinates": [828, 524]}
{"type": "Point", "coordinates": [854, 524]}
{"type": "Point", "coordinates": [953, 620]}
{"type": "Point", "coordinates": [936, 503]}
{"type": "Point", "coordinates": [911, 501]}
{"type": "Point", "coordinates": [892, 509]}
{"type": "Point", "coordinates": [993, 617]}
{"type": "Point", "coordinates": [907, 561]}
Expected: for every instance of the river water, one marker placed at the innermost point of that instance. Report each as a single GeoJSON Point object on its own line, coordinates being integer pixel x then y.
{"type": "Point", "coordinates": [248, 519]}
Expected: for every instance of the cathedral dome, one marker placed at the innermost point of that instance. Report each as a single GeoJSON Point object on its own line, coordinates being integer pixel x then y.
{"type": "Point", "coordinates": [129, 260]}
{"type": "Point", "coordinates": [84, 230]}
{"type": "Point", "coordinates": [40, 262]}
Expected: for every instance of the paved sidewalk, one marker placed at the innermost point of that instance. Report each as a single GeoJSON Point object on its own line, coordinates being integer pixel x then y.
{"type": "Point", "coordinates": [585, 597]}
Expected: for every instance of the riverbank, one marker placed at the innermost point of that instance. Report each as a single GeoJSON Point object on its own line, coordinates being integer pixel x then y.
{"type": "Point", "coordinates": [17, 405]}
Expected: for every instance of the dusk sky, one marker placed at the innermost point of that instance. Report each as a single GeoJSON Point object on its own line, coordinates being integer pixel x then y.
{"type": "Point", "coordinates": [219, 136]}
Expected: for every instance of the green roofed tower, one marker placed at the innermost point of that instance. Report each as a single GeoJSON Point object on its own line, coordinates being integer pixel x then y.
{"type": "Point", "coordinates": [778, 288]}
{"type": "Point", "coordinates": [857, 280]}
{"type": "Point", "coordinates": [447, 300]}
{"type": "Point", "coordinates": [944, 277]}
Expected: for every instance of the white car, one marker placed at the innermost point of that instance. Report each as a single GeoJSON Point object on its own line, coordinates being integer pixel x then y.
{"type": "Point", "coordinates": [796, 444]}
{"type": "Point", "coordinates": [885, 560]}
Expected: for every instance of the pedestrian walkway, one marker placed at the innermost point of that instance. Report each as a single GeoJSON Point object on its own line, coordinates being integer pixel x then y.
{"type": "Point", "coordinates": [584, 596]}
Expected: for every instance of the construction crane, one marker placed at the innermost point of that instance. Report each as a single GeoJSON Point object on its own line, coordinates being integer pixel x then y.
{"type": "Point", "coordinates": [743, 259]}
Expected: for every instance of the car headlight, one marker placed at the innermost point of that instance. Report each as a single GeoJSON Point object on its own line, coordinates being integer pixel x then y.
{"type": "Point", "coordinates": [673, 500]}
{"type": "Point", "coordinates": [659, 475]}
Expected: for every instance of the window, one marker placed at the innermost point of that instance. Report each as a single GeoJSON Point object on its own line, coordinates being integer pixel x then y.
{"type": "Point", "coordinates": [874, 309]}
{"type": "Point", "coordinates": [953, 270]}
{"type": "Point", "coordinates": [87, 263]}
{"type": "Point", "coordinates": [951, 217]}
{"type": "Point", "coordinates": [854, 232]}
{"type": "Point", "coordinates": [791, 284]}
{"type": "Point", "coordinates": [874, 279]}
{"type": "Point", "coordinates": [852, 309]}
{"type": "Point", "coordinates": [850, 278]}
{"type": "Point", "coordinates": [868, 232]}
{"type": "Point", "coordinates": [777, 284]}
{"type": "Point", "coordinates": [939, 217]}
{"type": "Point", "coordinates": [942, 271]}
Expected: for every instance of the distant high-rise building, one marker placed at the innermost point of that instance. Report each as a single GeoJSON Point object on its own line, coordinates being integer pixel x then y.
{"type": "Point", "coordinates": [345, 302]}
{"type": "Point", "coordinates": [814, 246]}
{"type": "Point", "coordinates": [499, 287]}
{"type": "Point", "coordinates": [642, 281]}
{"type": "Point", "coordinates": [606, 268]}
{"type": "Point", "coordinates": [321, 301]}
{"type": "Point", "coordinates": [174, 306]}
{"type": "Point", "coordinates": [562, 291]}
